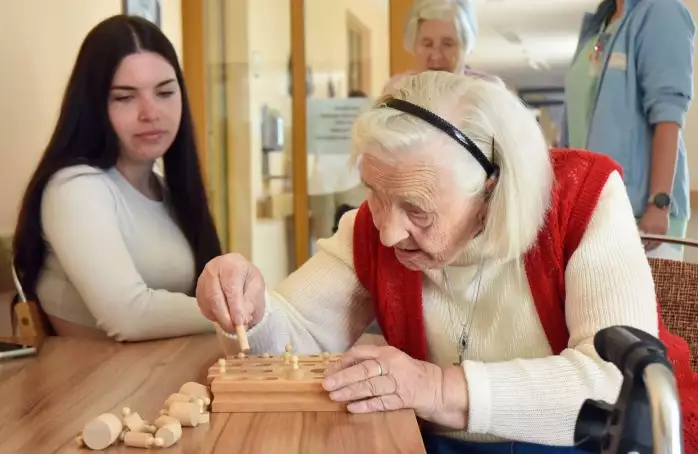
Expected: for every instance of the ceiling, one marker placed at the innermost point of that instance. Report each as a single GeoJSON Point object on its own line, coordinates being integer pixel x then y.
{"type": "Point", "coordinates": [528, 43]}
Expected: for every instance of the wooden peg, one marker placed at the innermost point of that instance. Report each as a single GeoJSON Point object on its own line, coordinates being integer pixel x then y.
{"type": "Point", "coordinates": [242, 338]}
{"type": "Point", "coordinates": [169, 434]}
{"type": "Point", "coordinates": [205, 418]}
{"type": "Point", "coordinates": [142, 440]}
{"type": "Point", "coordinates": [197, 391]}
{"type": "Point", "coordinates": [296, 372]}
{"type": "Point", "coordinates": [188, 413]}
{"type": "Point", "coordinates": [164, 420]}
{"type": "Point", "coordinates": [287, 354]}
{"type": "Point", "coordinates": [221, 365]}
{"type": "Point", "coordinates": [242, 355]}
{"type": "Point", "coordinates": [179, 397]}
{"type": "Point", "coordinates": [135, 423]}
{"type": "Point", "coordinates": [101, 432]}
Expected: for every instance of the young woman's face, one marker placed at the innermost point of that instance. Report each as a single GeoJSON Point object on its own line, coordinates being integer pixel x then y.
{"type": "Point", "coordinates": [436, 46]}
{"type": "Point", "coordinates": [145, 106]}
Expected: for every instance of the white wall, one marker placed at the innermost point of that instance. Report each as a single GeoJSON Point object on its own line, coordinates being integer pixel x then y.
{"type": "Point", "coordinates": [39, 40]}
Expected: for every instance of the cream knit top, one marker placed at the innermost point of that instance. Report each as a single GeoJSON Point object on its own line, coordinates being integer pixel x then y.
{"type": "Point", "coordinates": [116, 260]}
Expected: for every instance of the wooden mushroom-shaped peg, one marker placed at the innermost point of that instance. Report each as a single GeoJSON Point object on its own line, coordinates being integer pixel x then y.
{"type": "Point", "coordinates": [142, 440]}
{"type": "Point", "coordinates": [222, 365]}
{"type": "Point", "coordinates": [101, 432]}
{"type": "Point", "coordinates": [296, 373]}
{"type": "Point", "coordinates": [135, 423]}
{"type": "Point", "coordinates": [179, 397]}
{"type": "Point", "coordinates": [188, 413]}
{"type": "Point", "coordinates": [197, 391]}
{"type": "Point", "coordinates": [169, 434]}
{"type": "Point", "coordinates": [164, 420]}
{"type": "Point", "coordinates": [169, 430]}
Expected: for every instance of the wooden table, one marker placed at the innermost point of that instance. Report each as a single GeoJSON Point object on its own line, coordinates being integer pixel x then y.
{"type": "Point", "coordinates": [46, 400]}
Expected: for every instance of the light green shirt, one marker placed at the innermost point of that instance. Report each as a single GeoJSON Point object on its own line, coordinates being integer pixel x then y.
{"type": "Point", "coordinates": [582, 81]}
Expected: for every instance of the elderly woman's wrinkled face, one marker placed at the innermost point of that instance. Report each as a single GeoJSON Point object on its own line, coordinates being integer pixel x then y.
{"type": "Point", "coordinates": [436, 46]}
{"type": "Point", "coordinates": [420, 211]}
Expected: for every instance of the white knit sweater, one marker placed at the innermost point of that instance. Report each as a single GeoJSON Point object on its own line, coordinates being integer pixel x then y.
{"type": "Point", "coordinates": [517, 389]}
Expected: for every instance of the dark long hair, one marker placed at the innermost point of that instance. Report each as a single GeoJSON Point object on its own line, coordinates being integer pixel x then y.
{"type": "Point", "coordinates": [84, 135]}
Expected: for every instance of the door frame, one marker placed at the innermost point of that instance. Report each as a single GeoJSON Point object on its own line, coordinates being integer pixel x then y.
{"type": "Point", "coordinates": [299, 140]}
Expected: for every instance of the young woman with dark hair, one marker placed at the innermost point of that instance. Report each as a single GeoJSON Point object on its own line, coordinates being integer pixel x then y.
{"type": "Point", "coordinates": [104, 243]}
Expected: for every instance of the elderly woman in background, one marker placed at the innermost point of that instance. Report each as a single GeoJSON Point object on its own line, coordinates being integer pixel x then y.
{"type": "Point", "coordinates": [489, 262]}
{"type": "Point", "coordinates": [440, 34]}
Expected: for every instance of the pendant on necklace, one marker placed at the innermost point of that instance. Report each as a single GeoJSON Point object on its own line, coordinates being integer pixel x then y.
{"type": "Point", "coordinates": [462, 347]}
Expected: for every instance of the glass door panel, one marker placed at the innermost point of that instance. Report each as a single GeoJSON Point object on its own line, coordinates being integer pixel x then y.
{"type": "Point", "coordinates": [248, 127]}
{"type": "Point", "coordinates": [347, 56]}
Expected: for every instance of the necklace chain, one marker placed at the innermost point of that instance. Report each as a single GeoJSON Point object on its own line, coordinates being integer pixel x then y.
{"type": "Point", "coordinates": [464, 338]}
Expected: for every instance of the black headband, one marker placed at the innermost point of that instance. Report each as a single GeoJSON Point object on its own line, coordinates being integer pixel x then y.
{"type": "Point", "coordinates": [491, 169]}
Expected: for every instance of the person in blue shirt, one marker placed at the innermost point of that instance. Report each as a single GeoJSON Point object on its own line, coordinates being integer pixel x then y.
{"type": "Point", "coordinates": [627, 92]}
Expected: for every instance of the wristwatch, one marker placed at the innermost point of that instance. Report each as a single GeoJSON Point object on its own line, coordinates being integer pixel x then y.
{"type": "Point", "coordinates": [661, 200]}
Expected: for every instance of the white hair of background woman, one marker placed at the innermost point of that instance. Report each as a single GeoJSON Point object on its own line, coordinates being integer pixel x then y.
{"type": "Point", "coordinates": [483, 111]}
{"type": "Point", "coordinates": [461, 12]}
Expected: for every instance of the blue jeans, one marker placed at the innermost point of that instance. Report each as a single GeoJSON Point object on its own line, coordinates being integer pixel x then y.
{"type": "Point", "coordinates": [436, 444]}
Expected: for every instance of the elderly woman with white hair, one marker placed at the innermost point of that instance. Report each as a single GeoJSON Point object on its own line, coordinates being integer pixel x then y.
{"type": "Point", "coordinates": [489, 261]}
{"type": "Point", "coordinates": [440, 34]}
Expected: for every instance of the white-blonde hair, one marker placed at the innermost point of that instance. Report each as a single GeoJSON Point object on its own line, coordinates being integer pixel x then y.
{"type": "Point", "coordinates": [488, 114]}
{"type": "Point", "coordinates": [461, 12]}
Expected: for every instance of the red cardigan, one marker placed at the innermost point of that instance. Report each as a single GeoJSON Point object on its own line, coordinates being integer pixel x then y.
{"type": "Point", "coordinates": [579, 180]}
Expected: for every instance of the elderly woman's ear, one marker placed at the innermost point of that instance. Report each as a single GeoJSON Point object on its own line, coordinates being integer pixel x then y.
{"type": "Point", "coordinates": [490, 184]}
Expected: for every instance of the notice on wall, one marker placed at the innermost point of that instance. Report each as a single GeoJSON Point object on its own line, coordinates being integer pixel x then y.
{"type": "Point", "coordinates": [330, 122]}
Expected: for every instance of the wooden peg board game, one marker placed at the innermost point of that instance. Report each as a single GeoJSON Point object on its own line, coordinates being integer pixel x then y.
{"type": "Point", "coordinates": [271, 383]}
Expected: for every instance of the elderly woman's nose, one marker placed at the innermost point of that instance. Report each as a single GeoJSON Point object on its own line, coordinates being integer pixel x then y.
{"type": "Point", "coordinates": [392, 232]}
{"type": "Point", "coordinates": [436, 53]}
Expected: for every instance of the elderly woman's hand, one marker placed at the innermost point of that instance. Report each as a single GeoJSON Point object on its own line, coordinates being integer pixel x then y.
{"type": "Point", "coordinates": [230, 291]}
{"type": "Point", "coordinates": [373, 378]}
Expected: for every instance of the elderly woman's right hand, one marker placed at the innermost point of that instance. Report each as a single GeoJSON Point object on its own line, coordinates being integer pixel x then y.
{"type": "Point", "coordinates": [230, 291]}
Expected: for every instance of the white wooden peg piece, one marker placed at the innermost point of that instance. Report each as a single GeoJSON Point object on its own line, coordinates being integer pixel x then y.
{"type": "Point", "coordinates": [135, 423]}
{"type": "Point", "coordinates": [142, 440]}
{"type": "Point", "coordinates": [101, 432]}
{"type": "Point", "coordinates": [169, 434]}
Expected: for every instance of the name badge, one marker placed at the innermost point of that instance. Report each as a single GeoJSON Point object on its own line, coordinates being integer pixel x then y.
{"type": "Point", "coordinates": [618, 61]}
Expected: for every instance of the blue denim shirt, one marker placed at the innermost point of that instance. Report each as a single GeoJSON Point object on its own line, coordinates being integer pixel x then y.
{"type": "Point", "coordinates": [646, 78]}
